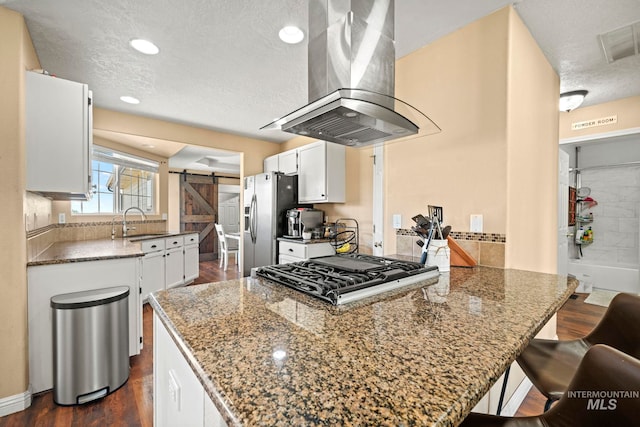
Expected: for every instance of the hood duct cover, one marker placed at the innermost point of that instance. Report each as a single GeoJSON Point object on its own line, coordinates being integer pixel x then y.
{"type": "Point", "coordinates": [352, 78]}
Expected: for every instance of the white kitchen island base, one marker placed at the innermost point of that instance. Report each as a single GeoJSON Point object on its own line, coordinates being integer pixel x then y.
{"type": "Point", "coordinates": [179, 398]}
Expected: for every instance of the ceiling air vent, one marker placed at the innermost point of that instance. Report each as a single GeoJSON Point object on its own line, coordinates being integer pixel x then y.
{"type": "Point", "coordinates": [621, 43]}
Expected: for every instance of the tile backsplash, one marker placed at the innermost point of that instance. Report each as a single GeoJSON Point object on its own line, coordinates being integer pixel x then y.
{"type": "Point", "coordinates": [40, 239]}
{"type": "Point", "coordinates": [486, 248]}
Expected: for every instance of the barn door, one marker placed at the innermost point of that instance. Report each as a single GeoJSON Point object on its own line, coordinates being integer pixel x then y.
{"type": "Point", "coordinates": [198, 213]}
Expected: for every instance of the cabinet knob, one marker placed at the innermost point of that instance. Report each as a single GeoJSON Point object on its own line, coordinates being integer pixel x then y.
{"type": "Point", "coordinates": [290, 250]}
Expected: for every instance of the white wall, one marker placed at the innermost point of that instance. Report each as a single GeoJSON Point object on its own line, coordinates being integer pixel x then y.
{"type": "Point", "coordinates": [615, 218]}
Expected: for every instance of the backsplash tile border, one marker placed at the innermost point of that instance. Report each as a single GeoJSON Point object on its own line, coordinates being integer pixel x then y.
{"type": "Point", "coordinates": [462, 235]}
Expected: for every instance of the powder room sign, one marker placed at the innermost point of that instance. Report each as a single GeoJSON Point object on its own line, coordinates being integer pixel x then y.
{"type": "Point", "coordinates": [602, 121]}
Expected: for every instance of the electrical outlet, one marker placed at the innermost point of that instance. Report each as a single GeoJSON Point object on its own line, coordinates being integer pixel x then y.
{"type": "Point", "coordinates": [397, 221]}
{"type": "Point", "coordinates": [476, 224]}
{"type": "Point", "coordinates": [62, 218]}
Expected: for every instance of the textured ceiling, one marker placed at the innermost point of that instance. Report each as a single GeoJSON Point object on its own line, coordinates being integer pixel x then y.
{"type": "Point", "coordinates": [221, 65]}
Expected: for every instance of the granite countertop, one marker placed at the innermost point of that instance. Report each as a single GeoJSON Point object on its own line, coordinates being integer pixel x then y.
{"type": "Point", "coordinates": [87, 250]}
{"type": "Point", "coordinates": [420, 355]}
{"type": "Point", "coordinates": [95, 250]}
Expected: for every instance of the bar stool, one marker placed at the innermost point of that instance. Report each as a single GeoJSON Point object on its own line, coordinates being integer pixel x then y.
{"type": "Point", "coordinates": [603, 392]}
{"type": "Point", "coordinates": [550, 364]}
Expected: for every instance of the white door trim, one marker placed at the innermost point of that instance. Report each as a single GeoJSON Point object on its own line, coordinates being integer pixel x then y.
{"type": "Point", "coordinates": [378, 200]}
{"type": "Point", "coordinates": [603, 135]}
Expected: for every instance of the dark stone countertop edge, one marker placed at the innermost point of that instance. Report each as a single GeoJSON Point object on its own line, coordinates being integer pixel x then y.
{"type": "Point", "coordinates": [83, 259]}
{"type": "Point", "coordinates": [118, 253]}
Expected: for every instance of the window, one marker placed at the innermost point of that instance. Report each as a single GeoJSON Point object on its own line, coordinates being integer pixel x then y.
{"type": "Point", "coordinates": [120, 181]}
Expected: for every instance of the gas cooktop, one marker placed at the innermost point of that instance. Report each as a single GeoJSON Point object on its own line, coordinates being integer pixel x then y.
{"type": "Point", "coordinates": [339, 279]}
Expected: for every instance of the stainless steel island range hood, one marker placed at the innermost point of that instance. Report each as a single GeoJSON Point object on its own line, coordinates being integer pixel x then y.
{"type": "Point", "coordinates": [352, 78]}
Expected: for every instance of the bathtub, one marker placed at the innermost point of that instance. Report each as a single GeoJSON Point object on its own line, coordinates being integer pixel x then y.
{"type": "Point", "coordinates": [613, 277]}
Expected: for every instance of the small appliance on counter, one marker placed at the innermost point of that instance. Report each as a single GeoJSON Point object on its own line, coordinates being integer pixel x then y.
{"type": "Point", "coordinates": [300, 220]}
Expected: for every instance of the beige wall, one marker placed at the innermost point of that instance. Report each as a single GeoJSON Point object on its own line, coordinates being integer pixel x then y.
{"type": "Point", "coordinates": [627, 110]}
{"type": "Point", "coordinates": [254, 150]}
{"type": "Point", "coordinates": [16, 55]}
{"type": "Point", "coordinates": [459, 81]}
{"type": "Point", "coordinates": [532, 154]}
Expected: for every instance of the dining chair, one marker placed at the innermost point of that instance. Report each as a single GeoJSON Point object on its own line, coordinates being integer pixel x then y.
{"type": "Point", "coordinates": [224, 247]}
{"type": "Point", "coordinates": [551, 364]}
{"type": "Point", "coordinates": [603, 392]}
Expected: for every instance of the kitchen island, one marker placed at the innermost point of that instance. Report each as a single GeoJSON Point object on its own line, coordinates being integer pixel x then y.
{"type": "Point", "coordinates": [420, 355]}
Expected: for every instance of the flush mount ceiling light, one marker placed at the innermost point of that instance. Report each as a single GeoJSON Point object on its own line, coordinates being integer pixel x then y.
{"type": "Point", "coordinates": [129, 100]}
{"type": "Point", "coordinates": [144, 46]}
{"type": "Point", "coordinates": [291, 34]}
{"type": "Point", "coordinates": [572, 100]}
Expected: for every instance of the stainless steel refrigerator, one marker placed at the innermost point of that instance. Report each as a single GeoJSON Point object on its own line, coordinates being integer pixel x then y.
{"type": "Point", "coordinates": [267, 197]}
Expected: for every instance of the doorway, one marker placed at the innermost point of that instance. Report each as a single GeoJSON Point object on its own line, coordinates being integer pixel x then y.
{"type": "Point", "coordinates": [229, 210]}
{"type": "Point", "coordinates": [606, 173]}
{"type": "Point", "coordinates": [199, 211]}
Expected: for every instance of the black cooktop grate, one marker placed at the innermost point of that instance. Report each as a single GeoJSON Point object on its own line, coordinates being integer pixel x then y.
{"type": "Point", "coordinates": [332, 278]}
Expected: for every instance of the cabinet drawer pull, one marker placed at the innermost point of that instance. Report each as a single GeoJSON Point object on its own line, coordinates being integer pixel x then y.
{"type": "Point", "coordinates": [290, 250]}
{"type": "Point", "coordinates": [153, 246]}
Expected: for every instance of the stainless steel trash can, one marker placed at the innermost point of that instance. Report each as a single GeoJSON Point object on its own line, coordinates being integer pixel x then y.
{"type": "Point", "coordinates": [90, 344]}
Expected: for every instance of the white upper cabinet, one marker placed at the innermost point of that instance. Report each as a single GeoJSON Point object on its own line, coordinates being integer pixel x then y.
{"type": "Point", "coordinates": [270, 164]}
{"type": "Point", "coordinates": [321, 173]}
{"type": "Point", "coordinates": [59, 137]}
{"type": "Point", "coordinates": [286, 162]}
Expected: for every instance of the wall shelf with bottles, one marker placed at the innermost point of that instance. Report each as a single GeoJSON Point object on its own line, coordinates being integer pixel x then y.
{"type": "Point", "coordinates": [584, 233]}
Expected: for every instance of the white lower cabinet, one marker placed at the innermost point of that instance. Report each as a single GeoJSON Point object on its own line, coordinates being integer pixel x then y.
{"type": "Point", "coordinates": [152, 277]}
{"type": "Point", "coordinates": [174, 267]}
{"type": "Point", "coordinates": [169, 262]}
{"type": "Point", "coordinates": [46, 281]}
{"type": "Point", "coordinates": [191, 263]}
{"type": "Point", "coordinates": [293, 251]}
{"type": "Point", "coordinates": [178, 397]}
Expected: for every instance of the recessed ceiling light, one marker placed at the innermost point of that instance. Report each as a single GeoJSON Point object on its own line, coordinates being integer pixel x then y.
{"type": "Point", "coordinates": [144, 46]}
{"type": "Point", "coordinates": [129, 100]}
{"type": "Point", "coordinates": [291, 34]}
{"type": "Point", "coordinates": [148, 146]}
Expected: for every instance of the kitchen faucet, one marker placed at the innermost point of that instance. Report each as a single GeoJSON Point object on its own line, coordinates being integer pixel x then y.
{"type": "Point", "coordinates": [113, 227]}
{"type": "Point", "coordinates": [124, 220]}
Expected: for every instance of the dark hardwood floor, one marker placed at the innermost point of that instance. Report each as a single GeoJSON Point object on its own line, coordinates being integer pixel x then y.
{"type": "Point", "coordinates": [132, 405]}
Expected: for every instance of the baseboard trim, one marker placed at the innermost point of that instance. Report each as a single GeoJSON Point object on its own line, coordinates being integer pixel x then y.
{"type": "Point", "coordinates": [15, 403]}
{"type": "Point", "coordinates": [517, 398]}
